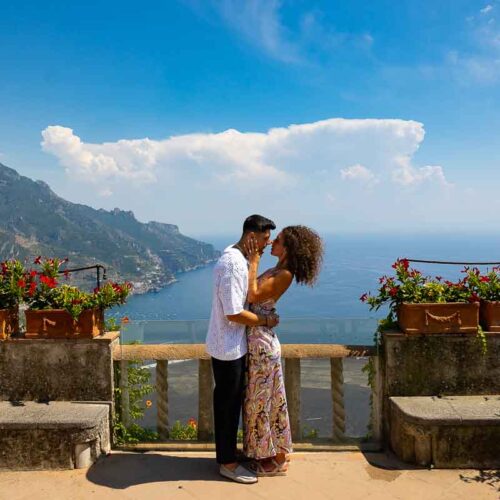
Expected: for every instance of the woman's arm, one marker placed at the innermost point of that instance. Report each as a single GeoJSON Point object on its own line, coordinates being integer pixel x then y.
{"type": "Point", "coordinates": [272, 287]}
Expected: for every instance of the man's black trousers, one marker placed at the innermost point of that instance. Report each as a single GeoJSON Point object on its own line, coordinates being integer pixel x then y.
{"type": "Point", "coordinates": [229, 388]}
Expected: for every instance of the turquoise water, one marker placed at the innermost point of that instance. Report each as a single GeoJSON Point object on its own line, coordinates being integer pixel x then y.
{"type": "Point", "coordinates": [352, 266]}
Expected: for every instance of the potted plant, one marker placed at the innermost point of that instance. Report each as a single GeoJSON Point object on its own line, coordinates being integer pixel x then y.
{"type": "Point", "coordinates": [422, 304]}
{"type": "Point", "coordinates": [60, 311]}
{"type": "Point", "coordinates": [12, 284]}
{"type": "Point", "coordinates": [487, 288]}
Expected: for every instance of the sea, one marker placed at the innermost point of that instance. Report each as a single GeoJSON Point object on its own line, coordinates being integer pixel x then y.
{"type": "Point", "coordinates": [329, 312]}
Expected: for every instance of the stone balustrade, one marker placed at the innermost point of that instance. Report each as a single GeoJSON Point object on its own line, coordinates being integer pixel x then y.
{"type": "Point", "coordinates": [292, 355]}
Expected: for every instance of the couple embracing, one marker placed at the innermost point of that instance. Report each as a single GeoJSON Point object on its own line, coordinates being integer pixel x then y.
{"type": "Point", "coordinates": [245, 351]}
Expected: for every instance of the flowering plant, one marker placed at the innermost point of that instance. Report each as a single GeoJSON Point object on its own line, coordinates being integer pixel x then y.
{"type": "Point", "coordinates": [42, 291]}
{"type": "Point", "coordinates": [484, 286]}
{"type": "Point", "coordinates": [41, 286]}
{"type": "Point", "coordinates": [12, 283]}
{"type": "Point", "coordinates": [111, 294]}
{"type": "Point", "coordinates": [410, 285]}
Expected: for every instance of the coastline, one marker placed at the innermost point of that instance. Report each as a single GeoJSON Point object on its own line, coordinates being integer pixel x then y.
{"type": "Point", "coordinates": [150, 286]}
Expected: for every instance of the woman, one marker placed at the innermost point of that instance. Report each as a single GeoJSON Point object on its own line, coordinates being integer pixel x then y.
{"type": "Point", "coordinates": [267, 434]}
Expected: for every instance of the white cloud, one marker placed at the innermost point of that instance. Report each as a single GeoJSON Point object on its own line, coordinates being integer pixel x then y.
{"type": "Point", "coordinates": [358, 173]}
{"type": "Point", "coordinates": [368, 150]}
{"type": "Point", "coordinates": [305, 40]}
{"type": "Point", "coordinates": [481, 62]}
{"type": "Point", "coordinates": [259, 22]}
{"type": "Point", "coordinates": [407, 175]}
{"type": "Point", "coordinates": [105, 193]}
{"type": "Point", "coordinates": [210, 181]}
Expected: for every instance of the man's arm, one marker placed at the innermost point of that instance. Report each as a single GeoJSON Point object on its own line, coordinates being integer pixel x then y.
{"type": "Point", "coordinates": [249, 318]}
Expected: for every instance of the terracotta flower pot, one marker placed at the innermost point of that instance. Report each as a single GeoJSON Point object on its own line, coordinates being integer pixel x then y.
{"type": "Point", "coordinates": [58, 323]}
{"type": "Point", "coordinates": [9, 323]}
{"type": "Point", "coordinates": [454, 317]}
{"type": "Point", "coordinates": [489, 313]}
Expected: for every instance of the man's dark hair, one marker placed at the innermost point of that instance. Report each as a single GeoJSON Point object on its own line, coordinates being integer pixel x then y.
{"type": "Point", "coordinates": [258, 224]}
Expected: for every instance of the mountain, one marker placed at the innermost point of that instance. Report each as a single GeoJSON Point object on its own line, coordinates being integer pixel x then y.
{"type": "Point", "coordinates": [35, 221]}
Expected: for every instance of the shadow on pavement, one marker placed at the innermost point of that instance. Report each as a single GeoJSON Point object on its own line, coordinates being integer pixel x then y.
{"type": "Point", "coordinates": [388, 461]}
{"type": "Point", "coordinates": [489, 477]}
{"type": "Point", "coordinates": [119, 471]}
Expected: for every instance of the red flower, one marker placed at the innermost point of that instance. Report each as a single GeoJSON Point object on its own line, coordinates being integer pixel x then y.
{"type": "Point", "coordinates": [382, 279]}
{"type": "Point", "coordinates": [474, 297]}
{"type": "Point", "coordinates": [21, 283]}
{"type": "Point", "coordinates": [38, 260]}
{"type": "Point", "coordinates": [393, 291]}
{"type": "Point", "coordinates": [4, 268]}
{"type": "Point", "coordinates": [33, 274]}
{"type": "Point", "coordinates": [363, 297]}
{"type": "Point", "coordinates": [401, 262]}
{"type": "Point", "coordinates": [485, 279]}
{"type": "Point", "coordinates": [32, 288]}
{"type": "Point", "coordinates": [47, 280]}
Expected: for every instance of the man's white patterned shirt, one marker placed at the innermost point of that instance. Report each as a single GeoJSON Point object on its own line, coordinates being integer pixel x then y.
{"type": "Point", "coordinates": [227, 340]}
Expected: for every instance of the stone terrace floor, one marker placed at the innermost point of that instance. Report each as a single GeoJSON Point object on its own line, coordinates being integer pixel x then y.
{"type": "Point", "coordinates": [312, 476]}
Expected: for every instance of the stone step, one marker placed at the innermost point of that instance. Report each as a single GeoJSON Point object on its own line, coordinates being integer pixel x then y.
{"type": "Point", "coordinates": [447, 432]}
{"type": "Point", "coordinates": [54, 435]}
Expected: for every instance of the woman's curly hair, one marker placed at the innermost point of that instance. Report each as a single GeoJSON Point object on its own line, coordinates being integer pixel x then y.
{"type": "Point", "coordinates": [304, 250]}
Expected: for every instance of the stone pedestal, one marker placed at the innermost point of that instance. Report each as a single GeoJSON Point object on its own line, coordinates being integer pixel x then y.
{"type": "Point", "coordinates": [56, 401]}
{"type": "Point", "coordinates": [57, 435]}
{"type": "Point", "coordinates": [447, 432]}
{"type": "Point", "coordinates": [439, 365]}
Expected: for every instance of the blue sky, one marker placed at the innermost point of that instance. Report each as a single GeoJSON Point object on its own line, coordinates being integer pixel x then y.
{"type": "Point", "coordinates": [98, 78]}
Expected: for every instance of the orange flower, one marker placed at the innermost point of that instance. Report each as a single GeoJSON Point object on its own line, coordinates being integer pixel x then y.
{"type": "Point", "coordinates": [149, 403]}
{"type": "Point", "coordinates": [125, 319]}
{"type": "Point", "coordinates": [192, 423]}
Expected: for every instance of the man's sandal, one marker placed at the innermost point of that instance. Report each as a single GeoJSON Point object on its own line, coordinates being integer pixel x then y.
{"type": "Point", "coordinates": [277, 470]}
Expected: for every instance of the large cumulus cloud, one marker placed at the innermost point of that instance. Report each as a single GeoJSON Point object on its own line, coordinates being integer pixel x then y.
{"type": "Point", "coordinates": [281, 155]}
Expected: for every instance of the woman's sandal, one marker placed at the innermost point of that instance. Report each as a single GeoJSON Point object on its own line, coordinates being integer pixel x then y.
{"type": "Point", "coordinates": [277, 470]}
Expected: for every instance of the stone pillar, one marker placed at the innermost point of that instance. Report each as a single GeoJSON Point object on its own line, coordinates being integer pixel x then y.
{"type": "Point", "coordinates": [124, 393]}
{"type": "Point", "coordinates": [337, 381]}
{"type": "Point", "coordinates": [162, 398]}
{"type": "Point", "coordinates": [205, 401]}
{"type": "Point", "coordinates": [292, 387]}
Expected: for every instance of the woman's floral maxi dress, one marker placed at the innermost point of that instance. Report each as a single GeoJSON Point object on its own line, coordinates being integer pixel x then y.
{"type": "Point", "coordinates": [266, 426]}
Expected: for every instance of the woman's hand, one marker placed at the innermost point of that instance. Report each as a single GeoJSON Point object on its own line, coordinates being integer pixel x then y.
{"type": "Point", "coordinates": [252, 250]}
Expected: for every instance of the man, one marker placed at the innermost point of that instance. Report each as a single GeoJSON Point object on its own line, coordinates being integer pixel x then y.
{"type": "Point", "coordinates": [227, 344]}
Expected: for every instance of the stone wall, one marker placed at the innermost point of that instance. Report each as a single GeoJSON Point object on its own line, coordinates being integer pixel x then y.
{"type": "Point", "coordinates": [448, 364]}
{"type": "Point", "coordinates": [57, 370]}
{"type": "Point", "coordinates": [438, 365]}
